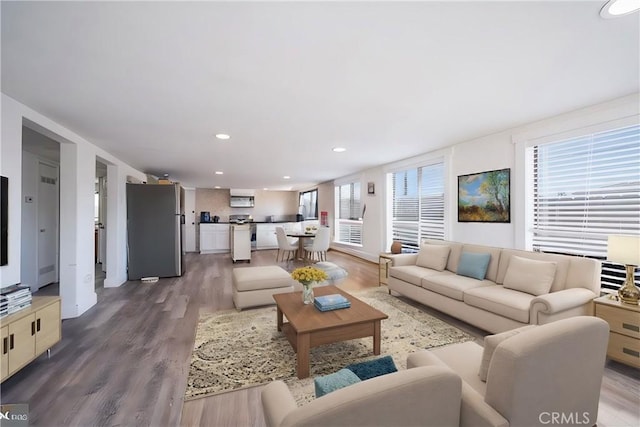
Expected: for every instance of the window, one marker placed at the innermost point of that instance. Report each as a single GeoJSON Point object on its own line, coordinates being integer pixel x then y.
{"type": "Point", "coordinates": [585, 189]}
{"type": "Point", "coordinates": [309, 204]}
{"type": "Point", "coordinates": [418, 205]}
{"type": "Point", "coordinates": [349, 215]}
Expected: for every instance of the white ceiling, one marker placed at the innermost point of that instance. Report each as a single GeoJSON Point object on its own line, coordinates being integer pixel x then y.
{"type": "Point", "coordinates": [152, 82]}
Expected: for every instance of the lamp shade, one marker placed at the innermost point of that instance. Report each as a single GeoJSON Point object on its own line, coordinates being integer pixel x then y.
{"type": "Point", "coordinates": [624, 249]}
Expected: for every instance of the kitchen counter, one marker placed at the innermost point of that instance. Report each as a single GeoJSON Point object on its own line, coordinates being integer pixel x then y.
{"type": "Point", "coordinates": [251, 222]}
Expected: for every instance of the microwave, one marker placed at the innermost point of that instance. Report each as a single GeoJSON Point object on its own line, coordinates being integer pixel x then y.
{"type": "Point", "coordinates": [241, 201]}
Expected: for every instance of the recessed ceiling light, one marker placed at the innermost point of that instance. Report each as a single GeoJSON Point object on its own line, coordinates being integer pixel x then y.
{"type": "Point", "coordinates": [217, 186]}
{"type": "Point", "coordinates": [265, 188]}
{"type": "Point", "coordinates": [219, 172]}
{"type": "Point", "coordinates": [286, 177]}
{"type": "Point", "coordinates": [615, 8]}
{"type": "Point", "coordinates": [222, 136]}
{"type": "Point", "coordinates": [339, 149]}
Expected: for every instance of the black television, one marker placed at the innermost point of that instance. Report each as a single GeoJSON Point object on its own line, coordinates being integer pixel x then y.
{"type": "Point", "coordinates": [4, 219]}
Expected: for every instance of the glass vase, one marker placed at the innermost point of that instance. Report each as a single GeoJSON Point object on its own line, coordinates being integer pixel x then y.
{"type": "Point", "coordinates": [307, 293]}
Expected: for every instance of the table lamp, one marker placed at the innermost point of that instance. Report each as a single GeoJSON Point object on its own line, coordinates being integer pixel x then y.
{"type": "Point", "coordinates": [626, 250]}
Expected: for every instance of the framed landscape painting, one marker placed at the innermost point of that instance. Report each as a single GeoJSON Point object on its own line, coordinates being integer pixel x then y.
{"type": "Point", "coordinates": [485, 197]}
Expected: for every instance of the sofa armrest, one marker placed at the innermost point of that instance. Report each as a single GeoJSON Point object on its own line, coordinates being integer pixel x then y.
{"type": "Point", "coordinates": [403, 259]}
{"type": "Point", "coordinates": [423, 358]}
{"type": "Point", "coordinates": [557, 302]}
{"type": "Point", "coordinates": [425, 396]}
{"type": "Point", "coordinates": [277, 402]}
{"type": "Point", "coordinates": [475, 412]}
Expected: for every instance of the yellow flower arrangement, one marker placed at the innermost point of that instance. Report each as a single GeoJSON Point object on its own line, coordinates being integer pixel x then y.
{"type": "Point", "coordinates": [308, 275]}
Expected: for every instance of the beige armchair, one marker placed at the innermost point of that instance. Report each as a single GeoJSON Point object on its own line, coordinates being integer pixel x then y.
{"type": "Point", "coordinates": [542, 375]}
{"type": "Point", "coordinates": [426, 396]}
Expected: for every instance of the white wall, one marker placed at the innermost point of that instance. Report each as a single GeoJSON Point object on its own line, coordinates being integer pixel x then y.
{"type": "Point", "coordinates": [482, 154]}
{"type": "Point", "coordinates": [77, 176]}
{"type": "Point", "coordinates": [498, 151]}
{"type": "Point", "coordinates": [29, 240]}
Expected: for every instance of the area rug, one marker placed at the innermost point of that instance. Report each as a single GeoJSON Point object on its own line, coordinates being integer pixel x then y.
{"type": "Point", "coordinates": [235, 350]}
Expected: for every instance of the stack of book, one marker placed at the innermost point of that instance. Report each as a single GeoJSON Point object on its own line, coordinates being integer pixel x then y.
{"type": "Point", "coordinates": [331, 302]}
{"type": "Point", "coordinates": [14, 298]}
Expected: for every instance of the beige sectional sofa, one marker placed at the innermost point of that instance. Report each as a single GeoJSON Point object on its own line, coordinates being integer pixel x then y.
{"type": "Point", "coordinates": [519, 287]}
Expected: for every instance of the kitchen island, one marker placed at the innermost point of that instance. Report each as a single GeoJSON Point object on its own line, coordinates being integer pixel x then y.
{"type": "Point", "coordinates": [215, 236]}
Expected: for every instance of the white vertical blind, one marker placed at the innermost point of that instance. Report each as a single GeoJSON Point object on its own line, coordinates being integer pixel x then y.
{"type": "Point", "coordinates": [585, 189]}
{"type": "Point", "coordinates": [349, 218]}
{"type": "Point", "coordinates": [418, 204]}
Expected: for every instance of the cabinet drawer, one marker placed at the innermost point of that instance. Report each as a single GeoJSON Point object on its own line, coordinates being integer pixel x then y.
{"type": "Point", "coordinates": [622, 321]}
{"type": "Point", "coordinates": [624, 349]}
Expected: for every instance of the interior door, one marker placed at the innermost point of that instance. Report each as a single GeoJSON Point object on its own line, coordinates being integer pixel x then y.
{"type": "Point", "coordinates": [47, 225]}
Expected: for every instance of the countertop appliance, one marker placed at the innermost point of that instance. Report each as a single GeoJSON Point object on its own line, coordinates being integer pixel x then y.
{"type": "Point", "coordinates": [154, 223]}
{"type": "Point", "coordinates": [240, 242]}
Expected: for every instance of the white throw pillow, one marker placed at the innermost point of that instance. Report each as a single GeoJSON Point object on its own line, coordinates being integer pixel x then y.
{"type": "Point", "coordinates": [529, 275]}
{"type": "Point", "coordinates": [433, 256]}
{"type": "Point", "coordinates": [491, 342]}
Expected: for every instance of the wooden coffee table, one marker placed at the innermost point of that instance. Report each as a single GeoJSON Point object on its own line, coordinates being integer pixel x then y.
{"type": "Point", "coordinates": [308, 327]}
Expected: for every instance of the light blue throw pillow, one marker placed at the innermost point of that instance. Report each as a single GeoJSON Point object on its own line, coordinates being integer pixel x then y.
{"type": "Point", "coordinates": [332, 382]}
{"type": "Point", "coordinates": [473, 265]}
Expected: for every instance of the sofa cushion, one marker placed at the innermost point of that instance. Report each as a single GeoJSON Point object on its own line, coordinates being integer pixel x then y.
{"type": "Point", "coordinates": [410, 273]}
{"type": "Point", "coordinates": [332, 382]}
{"type": "Point", "coordinates": [529, 275]}
{"type": "Point", "coordinates": [562, 268]}
{"type": "Point", "coordinates": [496, 254]}
{"type": "Point", "coordinates": [454, 255]}
{"type": "Point", "coordinates": [452, 285]}
{"type": "Point", "coordinates": [373, 368]}
{"type": "Point", "coordinates": [498, 300]}
{"type": "Point", "coordinates": [490, 344]}
{"type": "Point", "coordinates": [433, 256]}
{"type": "Point", "coordinates": [473, 265]}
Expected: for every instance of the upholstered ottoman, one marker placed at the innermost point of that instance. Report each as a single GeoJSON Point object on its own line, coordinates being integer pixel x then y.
{"type": "Point", "coordinates": [336, 273]}
{"type": "Point", "coordinates": [254, 286]}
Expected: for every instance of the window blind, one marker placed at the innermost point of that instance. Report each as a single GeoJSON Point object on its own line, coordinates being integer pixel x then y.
{"type": "Point", "coordinates": [418, 205]}
{"type": "Point", "coordinates": [349, 218]}
{"type": "Point", "coordinates": [585, 189]}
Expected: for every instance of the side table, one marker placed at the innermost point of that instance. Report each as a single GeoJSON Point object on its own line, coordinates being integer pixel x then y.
{"type": "Point", "coordinates": [624, 326]}
{"type": "Point", "coordinates": [384, 262]}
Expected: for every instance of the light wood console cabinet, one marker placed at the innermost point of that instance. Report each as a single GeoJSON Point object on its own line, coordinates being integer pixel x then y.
{"type": "Point", "coordinates": [624, 326]}
{"type": "Point", "coordinates": [28, 333]}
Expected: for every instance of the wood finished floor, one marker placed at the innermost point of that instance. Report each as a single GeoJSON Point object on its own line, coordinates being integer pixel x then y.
{"type": "Point", "coordinates": [125, 361]}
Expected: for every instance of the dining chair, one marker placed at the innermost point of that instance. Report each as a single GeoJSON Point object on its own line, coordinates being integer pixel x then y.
{"type": "Point", "coordinates": [318, 249]}
{"type": "Point", "coordinates": [287, 247]}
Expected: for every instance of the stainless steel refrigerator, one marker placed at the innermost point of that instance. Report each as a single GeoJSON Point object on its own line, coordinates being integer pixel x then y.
{"type": "Point", "coordinates": [154, 219]}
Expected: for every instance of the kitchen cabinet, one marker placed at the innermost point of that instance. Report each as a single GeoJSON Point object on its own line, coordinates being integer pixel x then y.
{"type": "Point", "coordinates": [28, 333]}
{"type": "Point", "coordinates": [214, 238]}
{"type": "Point", "coordinates": [266, 236]}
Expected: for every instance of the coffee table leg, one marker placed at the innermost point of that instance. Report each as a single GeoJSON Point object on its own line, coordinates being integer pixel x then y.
{"type": "Point", "coordinates": [279, 319]}
{"type": "Point", "coordinates": [376, 337]}
{"type": "Point", "coordinates": [302, 353]}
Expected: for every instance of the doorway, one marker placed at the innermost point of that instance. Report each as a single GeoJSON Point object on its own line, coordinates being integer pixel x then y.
{"type": "Point", "coordinates": [40, 210]}
{"type": "Point", "coordinates": [100, 221]}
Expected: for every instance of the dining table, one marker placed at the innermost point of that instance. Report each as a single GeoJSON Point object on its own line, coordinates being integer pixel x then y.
{"type": "Point", "coordinates": [301, 236]}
